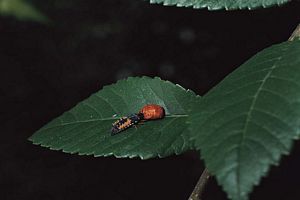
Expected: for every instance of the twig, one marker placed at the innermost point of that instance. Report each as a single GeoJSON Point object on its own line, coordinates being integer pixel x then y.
{"type": "Point", "coordinates": [199, 188]}
{"type": "Point", "coordinates": [295, 34]}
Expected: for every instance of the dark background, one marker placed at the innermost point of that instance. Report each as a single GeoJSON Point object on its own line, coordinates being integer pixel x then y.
{"type": "Point", "coordinates": [47, 69]}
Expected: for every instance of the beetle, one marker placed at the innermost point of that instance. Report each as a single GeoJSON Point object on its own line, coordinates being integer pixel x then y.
{"type": "Point", "coordinates": [125, 122]}
{"type": "Point", "coordinates": [148, 112]}
{"type": "Point", "coordinates": [152, 111]}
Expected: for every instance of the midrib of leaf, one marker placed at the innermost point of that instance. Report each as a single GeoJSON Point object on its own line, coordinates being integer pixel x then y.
{"type": "Point", "coordinates": [249, 116]}
{"type": "Point", "coordinates": [103, 119]}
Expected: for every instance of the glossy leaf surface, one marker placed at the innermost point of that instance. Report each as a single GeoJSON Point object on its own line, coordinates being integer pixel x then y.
{"type": "Point", "coordinates": [221, 4]}
{"type": "Point", "coordinates": [244, 124]}
{"type": "Point", "coordinates": [21, 10]}
{"type": "Point", "coordinates": [85, 129]}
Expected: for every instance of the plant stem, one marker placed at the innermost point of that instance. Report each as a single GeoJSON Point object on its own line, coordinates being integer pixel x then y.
{"type": "Point", "coordinates": [199, 188]}
{"type": "Point", "coordinates": [295, 34]}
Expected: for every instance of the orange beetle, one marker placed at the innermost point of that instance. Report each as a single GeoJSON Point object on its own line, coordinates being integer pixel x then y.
{"type": "Point", "coordinates": [148, 112]}
{"type": "Point", "coordinates": [152, 111]}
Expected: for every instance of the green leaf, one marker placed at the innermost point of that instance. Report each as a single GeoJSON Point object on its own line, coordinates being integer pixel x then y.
{"type": "Point", "coordinates": [221, 4]}
{"type": "Point", "coordinates": [21, 10]}
{"type": "Point", "coordinates": [85, 129]}
{"type": "Point", "coordinates": [244, 124]}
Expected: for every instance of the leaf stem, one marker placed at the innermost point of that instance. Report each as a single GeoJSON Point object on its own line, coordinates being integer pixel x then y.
{"type": "Point", "coordinates": [199, 188]}
{"type": "Point", "coordinates": [295, 34]}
